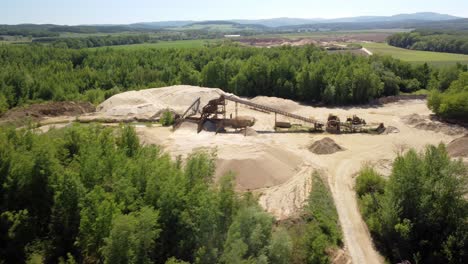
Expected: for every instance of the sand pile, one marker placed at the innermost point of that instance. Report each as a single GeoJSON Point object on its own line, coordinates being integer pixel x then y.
{"type": "Point", "coordinates": [458, 147]}
{"type": "Point", "coordinates": [148, 103]}
{"type": "Point", "coordinates": [325, 146]}
{"type": "Point", "coordinates": [278, 103]}
{"type": "Point", "coordinates": [424, 123]}
{"type": "Point", "coordinates": [258, 167]}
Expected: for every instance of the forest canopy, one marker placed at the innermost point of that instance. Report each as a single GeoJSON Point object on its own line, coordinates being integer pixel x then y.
{"type": "Point", "coordinates": [432, 40]}
{"type": "Point", "coordinates": [91, 194]}
{"type": "Point", "coordinates": [419, 214]}
{"type": "Point", "coordinates": [34, 72]}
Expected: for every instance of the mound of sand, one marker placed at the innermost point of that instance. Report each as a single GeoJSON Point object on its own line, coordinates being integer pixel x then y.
{"type": "Point", "coordinates": [264, 166]}
{"type": "Point", "coordinates": [424, 123]}
{"type": "Point", "coordinates": [414, 119]}
{"type": "Point", "coordinates": [278, 103]}
{"type": "Point", "coordinates": [458, 147]}
{"type": "Point", "coordinates": [325, 146]}
{"type": "Point", "coordinates": [151, 102]}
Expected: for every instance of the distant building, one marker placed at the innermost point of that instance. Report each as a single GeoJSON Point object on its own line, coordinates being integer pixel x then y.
{"type": "Point", "coordinates": [232, 36]}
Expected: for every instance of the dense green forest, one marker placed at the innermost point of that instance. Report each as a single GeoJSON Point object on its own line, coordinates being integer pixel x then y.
{"type": "Point", "coordinates": [419, 214]}
{"type": "Point", "coordinates": [449, 94]}
{"type": "Point", "coordinates": [91, 194]}
{"type": "Point", "coordinates": [34, 72]}
{"type": "Point", "coordinates": [95, 41]}
{"type": "Point", "coordinates": [49, 30]}
{"type": "Point", "coordinates": [430, 40]}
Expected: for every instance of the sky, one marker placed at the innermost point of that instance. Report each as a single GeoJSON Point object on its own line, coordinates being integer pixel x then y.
{"type": "Point", "coordinates": [75, 12]}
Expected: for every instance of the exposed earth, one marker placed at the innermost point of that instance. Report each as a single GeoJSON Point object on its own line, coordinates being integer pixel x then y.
{"type": "Point", "coordinates": [278, 166]}
{"type": "Point", "coordinates": [38, 112]}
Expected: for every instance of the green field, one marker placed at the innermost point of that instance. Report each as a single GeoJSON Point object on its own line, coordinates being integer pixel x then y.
{"type": "Point", "coordinates": [165, 44]}
{"type": "Point", "coordinates": [416, 56]}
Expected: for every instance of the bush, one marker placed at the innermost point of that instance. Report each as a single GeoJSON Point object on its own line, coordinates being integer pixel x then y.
{"type": "Point", "coordinates": [167, 118]}
{"type": "Point", "coordinates": [453, 102]}
{"type": "Point", "coordinates": [95, 96]}
{"type": "Point", "coordinates": [369, 182]}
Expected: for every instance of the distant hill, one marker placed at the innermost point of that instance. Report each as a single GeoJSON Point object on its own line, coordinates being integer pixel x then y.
{"type": "Point", "coordinates": [279, 22]}
{"type": "Point", "coordinates": [286, 21]}
{"type": "Point", "coordinates": [274, 25]}
{"type": "Point", "coordinates": [422, 16]}
{"type": "Point", "coordinates": [162, 24]}
{"type": "Point", "coordinates": [457, 24]}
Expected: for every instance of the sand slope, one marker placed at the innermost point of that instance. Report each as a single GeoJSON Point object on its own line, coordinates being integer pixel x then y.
{"type": "Point", "coordinates": [146, 103]}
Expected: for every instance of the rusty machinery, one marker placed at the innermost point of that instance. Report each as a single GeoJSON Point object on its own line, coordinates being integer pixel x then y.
{"type": "Point", "coordinates": [215, 112]}
{"type": "Point", "coordinates": [353, 124]}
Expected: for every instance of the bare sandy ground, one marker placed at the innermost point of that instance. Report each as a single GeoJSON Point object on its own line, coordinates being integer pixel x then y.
{"type": "Point", "coordinates": [278, 166]}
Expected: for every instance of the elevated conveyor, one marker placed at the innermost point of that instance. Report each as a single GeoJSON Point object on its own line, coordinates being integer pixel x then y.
{"type": "Point", "coordinates": [270, 109]}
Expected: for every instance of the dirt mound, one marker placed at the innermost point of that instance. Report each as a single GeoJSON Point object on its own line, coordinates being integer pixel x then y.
{"type": "Point", "coordinates": [424, 123]}
{"type": "Point", "coordinates": [148, 103]}
{"type": "Point", "coordinates": [258, 167]}
{"type": "Point", "coordinates": [325, 146]}
{"type": "Point", "coordinates": [278, 103]}
{"type": "Point", "coordinates": [413, 119]}
{"type": "Point", "coordinates": [458, 147]}
{"type": "Point", "coordinates": [37, 112]}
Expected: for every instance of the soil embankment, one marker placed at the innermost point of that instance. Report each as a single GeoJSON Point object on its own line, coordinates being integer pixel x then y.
{"type": "Point", "coordinates": [38, 112]}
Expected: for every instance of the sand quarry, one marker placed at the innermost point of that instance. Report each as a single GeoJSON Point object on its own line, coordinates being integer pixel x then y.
{"type": "Point", "coordinates": [278, 166]}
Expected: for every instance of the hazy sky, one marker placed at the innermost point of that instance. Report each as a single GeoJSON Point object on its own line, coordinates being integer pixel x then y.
{"type": "Point", "coordinates": [74, 12]}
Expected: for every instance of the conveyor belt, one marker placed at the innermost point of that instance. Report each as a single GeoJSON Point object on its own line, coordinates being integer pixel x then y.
{"type": "Point", "coordinates": [270, 109]}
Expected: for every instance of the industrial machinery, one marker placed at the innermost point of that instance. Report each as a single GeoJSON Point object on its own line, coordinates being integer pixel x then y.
{"type": "Point", "coordinates": [215, 113]}
{"type": "Point", "coordinates": [333, 124]}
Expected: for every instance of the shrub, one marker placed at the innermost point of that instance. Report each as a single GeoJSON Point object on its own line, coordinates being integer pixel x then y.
{"type": "Point", "coordinates": [167, 118]}
{"type": "Point", "coordinates": [369, 181]}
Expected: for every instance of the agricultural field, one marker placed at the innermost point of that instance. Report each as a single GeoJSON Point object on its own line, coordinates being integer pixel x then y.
{"type": "Point", "coordinates": [416, 56]}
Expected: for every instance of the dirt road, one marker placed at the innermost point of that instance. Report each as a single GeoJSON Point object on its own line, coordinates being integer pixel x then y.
{"type": "Point", "coordinates": [356, 235]}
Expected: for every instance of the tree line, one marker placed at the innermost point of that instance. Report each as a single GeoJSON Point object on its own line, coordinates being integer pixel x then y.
{"type": "Point", "coordinates": [95, 41]}
{"type": "Point", "coordinates": [90, 194]}
{"type": "Point", "coordinates": [428, 40]}
{"type": "Point", "coordinates": [33, 72]}
{"type": "Point", "coordinates": [419, 214]}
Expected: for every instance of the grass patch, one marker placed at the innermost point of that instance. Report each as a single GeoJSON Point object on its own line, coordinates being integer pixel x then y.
{"type": "Point", "coordinates": [417, 56]}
